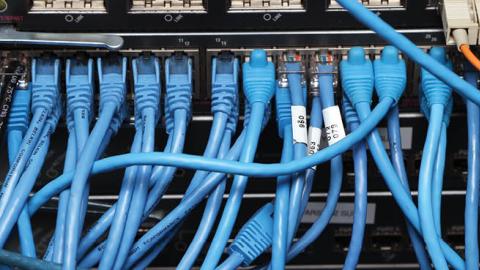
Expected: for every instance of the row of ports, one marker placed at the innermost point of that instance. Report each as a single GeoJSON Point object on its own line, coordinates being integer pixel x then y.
{"type": "Point", "coordinates": [393, 239]}
{"type": "Point", "coordinates": [199, 6]}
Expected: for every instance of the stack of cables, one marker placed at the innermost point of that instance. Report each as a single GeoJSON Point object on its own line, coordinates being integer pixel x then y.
{"type": "Point", "coordinates": [272, 225]}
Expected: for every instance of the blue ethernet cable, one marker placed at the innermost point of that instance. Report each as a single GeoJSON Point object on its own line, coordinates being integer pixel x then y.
{"type": "Point", "coordinates": [17, 125]}
{"type": "Point", "coordinates": [390, 68]}
{"type": "Point", "coordinates": [27, 181]}
{"type": "Point", "coordinates": [177, 111]}
{"type": "Point", "coordinates": [436, 97]}
{"type": "Point", "coordinates": [253, 240]}
{"type": "Point", "coordinates": [281, 212]}
{"type": "Point", "coordinates": [300, 141]}
{"type": "Point", "coordinates": [473, 180]}
{"type": "Point", "coordinates": [112, 77]}
{"type": "Point", "coordinates": [396, 154]}
{"type": "Point", "coordinates": [437, 179]}
{"type": "Point", "coordinates": [259, 87]}
{"type": "Point", "coordinates": [16, 260]}
{"type": "Point", "coordinates": [102, 225]}
{"type": "Point", "coordinates": [360, 93]}
{"type": "Point", "coordinates": [178, 74]}
{"type": "Point", "coordinates": [45, 87]}
{"type": "Point", "coordinates": [146, 75]}
{"type": "Point", "coordinates": [218, 166]}
{"type": "Point", "coordinates": [79, 89]}
{"type": "Point", "coordinates": [224, 102]}
{"type": "Point", "coordinates": [361, 192]}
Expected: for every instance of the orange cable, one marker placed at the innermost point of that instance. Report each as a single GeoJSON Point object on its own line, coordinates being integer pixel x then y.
{"type": "Point", "coordinates": [465, 49]}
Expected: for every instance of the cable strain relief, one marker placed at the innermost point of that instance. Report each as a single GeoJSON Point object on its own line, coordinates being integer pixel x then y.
{"type": "Point", "coordinates": [448, 112]}
{"type": "Point", "coordinates": [79, 86]}
{"type": "Point", "coordinates": [233, 118]}
{"type": "Point", "coordinates": [460, 36]}
{"type": "Point", "coordinates": [357, 77]}
{"type": "Point", "coordinates": [255, 237]}
{"type": "Point", "coordinates": [349, 112]}
{"type": "Point", "coordinates": [45, 83]}
{"type": "Point", "coordinates": [283, 108]}
{"type": "Point", "coordinates": [112, 76]}
{"type": "Point", "coordinates": [19, 116]}
{"type": "Point", "coordinates": [169, 124]}
{"type": "Point", "coordinates": [55, 115]}
{"type": "Point", "coordinates": [259, 78]}
{"type": "Point", "coordinates": [146, 75]}
{"type": "Point", "coordinates": [434, 90]}
{"type": "Point", "coordinates": [119, 118]}
{"type": "Point", "coordinates": [246, 115]}
{"type": "Point", "coordinates": [390, 74]}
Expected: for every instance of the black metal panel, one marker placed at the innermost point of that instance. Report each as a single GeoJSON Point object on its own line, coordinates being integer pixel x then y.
{"type": "Point", "coordinates": [217, 18]}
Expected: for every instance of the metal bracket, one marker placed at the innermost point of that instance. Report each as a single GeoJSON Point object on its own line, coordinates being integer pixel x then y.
{"type": "Point", "coordinates": [9, 35]}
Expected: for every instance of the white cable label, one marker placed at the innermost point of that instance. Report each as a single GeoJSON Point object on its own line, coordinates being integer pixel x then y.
{"type": "Point", "coordinates": [334, 128]}
{"type": "Point", "coordinates": [314, 141]}
{"type": "Point", "coordinates": [299, 124]}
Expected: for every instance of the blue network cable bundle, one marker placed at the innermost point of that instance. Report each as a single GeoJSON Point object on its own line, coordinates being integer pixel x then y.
{"type": "Point", "coordinates": [278, 134]}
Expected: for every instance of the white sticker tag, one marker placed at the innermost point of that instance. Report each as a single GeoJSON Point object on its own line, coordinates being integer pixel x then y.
{"type": "Point", "coordinates": [314, 141]}
{"type": "Point", "coordinates": [334, 128]}
{"type": "Point", "coordinates": [299, 124]}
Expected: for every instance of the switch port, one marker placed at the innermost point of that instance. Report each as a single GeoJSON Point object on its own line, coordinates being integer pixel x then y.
{"type": "Point", "coordinates": [373, 4]}
{"type": "Point", "coordinates": [267, 5]}
{"type": "Point", "coordinates": [168, 6]}
{"type": "Point", "coordinates": [68, 6]}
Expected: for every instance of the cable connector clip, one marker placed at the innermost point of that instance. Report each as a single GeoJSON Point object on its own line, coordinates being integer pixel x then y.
{"type": "Point", "coordinates": [259, 78]}
{"type": "Point", "coordinates": [45, 83]}
{"type": "Point", "coordinates": [283, 105]}
{"type": "Point", "coordinates": [224, 83]}
{"type": "Point", "coordinates": [79, 84]}
{"type": "Point", "coordinates": [112, 75]}
{"type": "Point", "coordinates": [178, 76]}
{"type": "Point", "coordinates": [357, 76]}
{"type": "Point", "coordinates": [434, 90]}
{"type": "Point", "coordinates": [19, 117]}
{"type": "Point", "coordinates": [255, 237]}
{"type": "Point", "coordinates": [146, 77]}
{"type": "Point", "coordinates": [390, 74]}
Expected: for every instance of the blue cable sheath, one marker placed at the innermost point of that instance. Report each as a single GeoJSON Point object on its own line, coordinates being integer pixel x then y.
{"type": "Point", "coordinates": [211, 210]}
{"type": "Point", "coordinates": [398, 162]}
{"type": "Point", "coordinates": [437, 180]}
{"type": "Point", "coordinates": [85, 162]}
{"type": "Point", "coordinates": [234, 201]}
{"type": "Point", "coordinates": [299, 152]}
{"type": "Point", "coordinates": [231, 263]}
{"type": "Point", "coordinates": [387, 32]}
{"type": "Point", "coordinates": [139, 199]}
{"type": "Point", "coordinates": [14, 138]}
{"type": "Point", "coordinates": [24, 152]}
{"type": "Point", "coordinates": [425, 187]}
{"type": "Point", "coordinates": [18, 261]}
{"type": "Point", "coordinates": [26, 183]}
{"type": "Point", "coordinates": [123, 204]}
{"type": "Point", "coordinates": [215, 200]}
{"type": "Point", "coordinates": [473, 181]}
{"type": "Point", "coordinates": [178, 140]}
{"type": "Point", "coordinates": [361, 201]}
{"type": "Point", "coordinates": [224, 166]}
{"type": "Point", "coordinates": [336, 178]}
{"type": "Point", "coordinates": [394, 184]}
{"type": "Point", "coordinates": [280, 225]}
{"type": "Point", "coordinates": [102, 225]}
{"type": "Point", "coordinates": [56, 250]}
